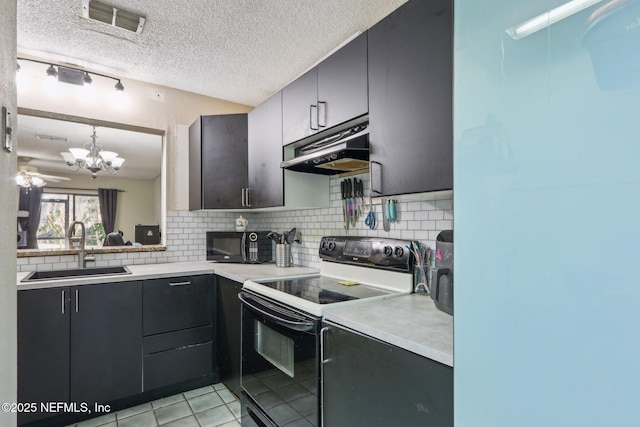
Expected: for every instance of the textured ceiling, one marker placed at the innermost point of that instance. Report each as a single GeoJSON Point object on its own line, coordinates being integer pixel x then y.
{"type": "Point", "coordinates": [237, 50]}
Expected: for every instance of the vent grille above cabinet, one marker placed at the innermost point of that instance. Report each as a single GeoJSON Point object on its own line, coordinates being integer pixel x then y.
{"type": "Point", "coordinates": [102, 12]}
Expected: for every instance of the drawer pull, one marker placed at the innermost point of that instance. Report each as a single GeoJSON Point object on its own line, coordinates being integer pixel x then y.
{"type": "Point", "coordinates": [179, 283]}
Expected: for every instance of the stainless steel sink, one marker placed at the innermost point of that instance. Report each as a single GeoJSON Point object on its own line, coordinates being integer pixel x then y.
{"type": "Point", "coordinates": [75, 273]}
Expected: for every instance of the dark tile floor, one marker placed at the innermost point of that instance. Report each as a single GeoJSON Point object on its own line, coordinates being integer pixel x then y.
{"type": "Point", "coordinates": [211, 406]}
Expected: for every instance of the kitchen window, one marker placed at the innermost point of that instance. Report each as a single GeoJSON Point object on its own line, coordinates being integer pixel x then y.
{"type": "Point", "coordinates": [60, 209]}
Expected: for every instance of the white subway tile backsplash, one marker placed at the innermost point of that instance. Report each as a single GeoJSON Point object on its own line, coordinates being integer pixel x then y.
{"type": "Point", "coordinates": [185, 234]}
{"type": "Point", "coordinates": [436, 215]}
{"type": "Point", "coordinates": [427, 225]}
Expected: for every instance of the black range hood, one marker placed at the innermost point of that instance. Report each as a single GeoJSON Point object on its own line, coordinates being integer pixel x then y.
{"type": "Point", "coordinates": [345, 151]}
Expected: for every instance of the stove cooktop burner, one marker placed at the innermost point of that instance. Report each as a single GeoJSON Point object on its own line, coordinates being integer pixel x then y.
{"type": "Point", "coordinates": [323, 289]}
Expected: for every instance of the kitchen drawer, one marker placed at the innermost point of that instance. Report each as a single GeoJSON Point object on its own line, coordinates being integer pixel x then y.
{"type": "Point", "coordinates": [172, 340]}
{"type": "Point", "coordinates": [172, 304]}
{"type": "Point", "coordinates": [178, 365]}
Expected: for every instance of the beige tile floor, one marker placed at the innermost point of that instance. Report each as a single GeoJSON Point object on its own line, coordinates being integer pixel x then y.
{"type": "Point", "coordinates": [211, 406]}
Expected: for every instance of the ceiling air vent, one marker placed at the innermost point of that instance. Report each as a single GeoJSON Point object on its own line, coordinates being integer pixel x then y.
{"type": "Point", "coordinates": [115, 17]}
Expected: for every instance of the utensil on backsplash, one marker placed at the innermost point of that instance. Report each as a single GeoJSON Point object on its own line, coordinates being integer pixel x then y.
{"type": "Point", "coordinates": [370, 220]}
{"type": "Point", "coordinates": [391, 210]}
{"type": "Point", "coordinates": [385, 219]}
{"type": "Point", "coordinates": [345, 204]}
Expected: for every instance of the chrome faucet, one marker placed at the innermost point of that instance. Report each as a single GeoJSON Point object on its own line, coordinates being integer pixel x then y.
{"type": "Point", "coordinates": [74, 241]}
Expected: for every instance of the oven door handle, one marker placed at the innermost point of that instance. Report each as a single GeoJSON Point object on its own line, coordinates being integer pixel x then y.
{"type": "Point", "coordinates": [301, 326]}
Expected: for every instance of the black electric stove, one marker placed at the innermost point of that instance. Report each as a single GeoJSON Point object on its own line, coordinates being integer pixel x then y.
{"type": "Point", "coordinates": [324, 290]}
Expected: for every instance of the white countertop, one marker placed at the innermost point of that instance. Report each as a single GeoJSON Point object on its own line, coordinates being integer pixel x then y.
{"type": "Point", "coordinates": [411, 322]}
{"type": "Point", "coordinates": [236, 272]}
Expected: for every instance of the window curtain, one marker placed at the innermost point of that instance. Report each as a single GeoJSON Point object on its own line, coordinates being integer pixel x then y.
{"type": "Point", "coordinates": [108, 199]}
{"type": "Point", "coordinates": [29, 201]}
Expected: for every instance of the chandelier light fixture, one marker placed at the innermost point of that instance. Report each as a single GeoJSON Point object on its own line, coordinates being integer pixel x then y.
{"type": "Point", "coordinates": [26, 180]}
{"type": "Point", "coordinates": [93, 158]}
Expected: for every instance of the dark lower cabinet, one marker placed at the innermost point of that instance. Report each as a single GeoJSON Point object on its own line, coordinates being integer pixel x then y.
{"type": "Point", "coordinates": [79, 344]}
{"type": "Point", "coordinates": [229, 331]}
{"type": "Point", "coordinates": [366, 382]}
{"type": "Point", "coordinates": [113, 344]}
{"type": "Point", "coordinates": [410, 71]}
{"type": "Point", "coordinates": [177, 357]}
{"type": "Point", "coordinates": [179, 336]}
{"type": "Point", "coordinates": [43, 349]}
{"type": "Point", "coordinates": [106, 342]}
{"type": "Point", "coordinates": [177, 303]}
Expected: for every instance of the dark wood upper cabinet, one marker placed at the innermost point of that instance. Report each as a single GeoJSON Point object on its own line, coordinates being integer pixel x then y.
{"type": "Point", "coordinates": [266, 179]}
{"type": "Point", "coordinates": [218, 162]}
{"type": "Point", "coordinates": [300, 107]}
{"type": "Point", "coordinates": [410, 99]}
{"type": "Point", "coordinates": [342, 84]}
{"type": "Point", "coordinates": [332, 93]}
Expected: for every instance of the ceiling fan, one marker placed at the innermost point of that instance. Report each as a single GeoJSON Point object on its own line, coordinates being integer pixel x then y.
{"type": "Point", "coordinates": [29, 175]}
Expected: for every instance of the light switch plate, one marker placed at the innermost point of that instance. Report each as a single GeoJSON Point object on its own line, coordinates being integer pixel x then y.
{"type": "Point", "coordinates": [7, 142]}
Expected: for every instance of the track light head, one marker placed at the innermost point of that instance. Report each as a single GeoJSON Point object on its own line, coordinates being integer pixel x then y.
{"type": "Point", "coordinates": [119, 87]}
{"type": "Point", "coordinates": [51, 72]}
{"type": "Point", "coordinates": [87, 78]}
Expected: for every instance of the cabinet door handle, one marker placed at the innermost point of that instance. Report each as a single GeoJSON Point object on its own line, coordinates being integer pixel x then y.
{"type": "Point", "coordinates": [63, 295]}
{"type": "Point", "coordinates": [179, 283]}
{"type": "Point", "coordinates": [377, 189]}
{"type": "Point", "coordinates": [247, 194]}
{"type": "Point", "coordinates": [322, 332]}
{"type": "Point", "coordinates": [77, 301]}
{"type": "Point", "coordinates": [242, 198]}
{"type": "Point", "coordinates": [322, 363]}
{"type": "Point", "coordinates": [311, 107]}
{"type": "Point", "coordinates": [322, 114]}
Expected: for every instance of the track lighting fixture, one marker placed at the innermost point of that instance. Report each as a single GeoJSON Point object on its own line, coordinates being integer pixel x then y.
{"type": "Point", "coordinates": [76, 76]}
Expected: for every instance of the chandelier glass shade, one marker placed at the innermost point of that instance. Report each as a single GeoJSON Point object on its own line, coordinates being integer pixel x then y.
{"type": "Point", "coordinates": [26, 180]}
{"type": "Point", "coordinates": [93, 158]}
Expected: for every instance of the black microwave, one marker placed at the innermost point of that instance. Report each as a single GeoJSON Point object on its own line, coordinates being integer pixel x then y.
{"type": "Point", "coordinates": [237, 246]}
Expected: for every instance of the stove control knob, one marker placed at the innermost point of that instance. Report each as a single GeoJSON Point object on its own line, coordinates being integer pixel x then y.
{"type": "Point", "coordinates": [398, 252]}
{"type": "Point", "coordinates": [324, 245]}
{"type": "Point", "coordinates": [332, 246]}
{"type": "Point", "coordinates": [388, 251]}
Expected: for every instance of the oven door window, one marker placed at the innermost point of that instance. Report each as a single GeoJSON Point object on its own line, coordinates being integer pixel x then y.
{"type": "Point", "coordinates": [275, 347]}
